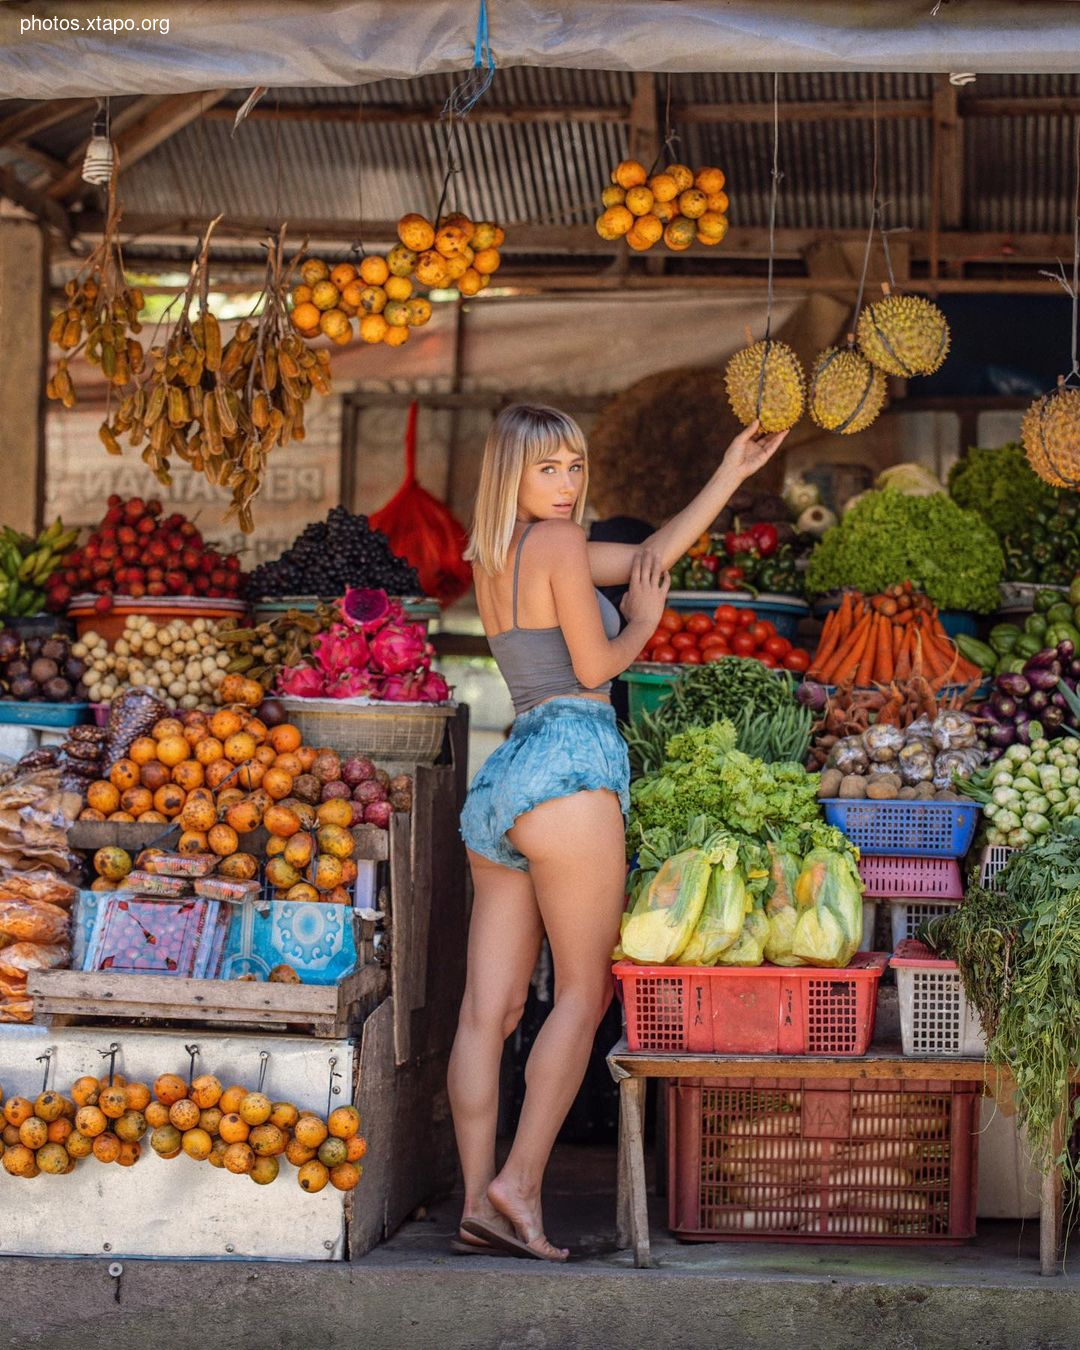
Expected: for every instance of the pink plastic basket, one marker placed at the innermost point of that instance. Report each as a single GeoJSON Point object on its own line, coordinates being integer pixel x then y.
{"type": "Point", "coordinates": [825, 1160]}
{"type": "Point", "coordinates": [910, 878]}
{"type": "Point", "coordinates": [762, 1010]}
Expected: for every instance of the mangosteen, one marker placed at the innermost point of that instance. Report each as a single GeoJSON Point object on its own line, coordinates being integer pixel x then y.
{"type": "Point", "coordinates": [81, 692]}
{"type": "Point", "coordinates": [43, 670]}
{"type": "Point", "coordinates": [18, 669]}
{"type": "Point", "coordinates": [74, 669]}
{"type": "Point", "coordinates": [10, 645]}
{"type": "Point", "coordinates": [57, 690]}
{"type": "Point", "coordinates": [56, 649]}
{"type": "Point", "coordinates": [271, 711]}
{"type": "Point", "coordinates": [33, 646]}
{"type": "Point", "coordinates": [24, 689]}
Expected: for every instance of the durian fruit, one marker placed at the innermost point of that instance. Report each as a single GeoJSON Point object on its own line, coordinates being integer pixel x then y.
{"type": "Point", "coordinates": [846, 391]}
{"type": "Point", "coordinates": [903, 335]}
{"type": "Point", "coordinates": [765, 382]}
{"type": "Point", "coordinates": [1050, 434]}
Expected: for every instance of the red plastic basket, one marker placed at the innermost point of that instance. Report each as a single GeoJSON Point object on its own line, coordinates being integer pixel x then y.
{"type": "Point", "coordinates": [822, 1160]}
{"type": "Point", "coordinates": [762, 1010]}
{"type": "Point", "coordinates": [910, 878]}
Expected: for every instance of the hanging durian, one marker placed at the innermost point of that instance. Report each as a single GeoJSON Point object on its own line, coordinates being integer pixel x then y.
{"type": "Point", "coordinates": [1050, 434]}
{"type": "Point", "coordinates": [765, 382]}
{"type": "Point", "coordinates": [903, 335]}
{"type": "Point", "coordinates": [846, 391]}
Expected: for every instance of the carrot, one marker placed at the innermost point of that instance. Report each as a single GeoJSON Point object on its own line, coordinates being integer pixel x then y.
{"type": "Point", "coordinates": [903, 659]}
{"type": "Point", "coordinates": [905, 616]}
{"type": "Point", "coordinates": [865, 673]}
{"type": "Point", "coordinates": [898, 634]}
{"type": "Point", "coordinates": [845, 667]}
{"type": "Point", "coordinates": [830, 635]}
{"type": "Point", "coordinates": [884, 665]}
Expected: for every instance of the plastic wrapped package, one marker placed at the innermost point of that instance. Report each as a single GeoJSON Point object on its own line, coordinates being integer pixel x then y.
{"type": "Point", "coordinates": [722, 915]}
{"type": "Point", "coordinates": [883, 743]}
{"type": "Point", "coordinates": [916, 763]}
{"type": "Point", "coordinates": [920, 730]}
{"type": "Point", "coordinates": [953, 731]}
{"type": "Point", "coordinates": [849, 755]}
{"type": "Point", "coordinates": [828, 894]}
{"type": "Point", "coordinates": [748, 949]}
{"type": "Point", "coordinates": [41, 886]}
{"type": "Point", "coordinates": [29, 921]}
{"type": "Point", "coordinates": [961, 763]}
{"type": "Point", "coordinates": [132, 715]}
{"type": "Point", "coordinates": [664, 917]}
{"type": "Point", "coordinates": [780, 910]}
{"type": "Point", "coordinates": [22, 957]}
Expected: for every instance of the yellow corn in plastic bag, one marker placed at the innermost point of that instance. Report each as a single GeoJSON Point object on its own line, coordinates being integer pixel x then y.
{"type": "Point", "coordinates": [828, 895]}
{"type": "Point", "coordinates": [780, 911]}
{"type": "Point", "coordinates": [721, 921]}
{"type": "Point", "coordinates": [748, 949]}
{"type": "Point", "coordinates": [663, 917]}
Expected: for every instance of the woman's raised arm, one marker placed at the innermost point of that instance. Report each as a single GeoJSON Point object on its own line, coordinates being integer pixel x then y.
{"type": "Point", "coordinates": [610, 564]}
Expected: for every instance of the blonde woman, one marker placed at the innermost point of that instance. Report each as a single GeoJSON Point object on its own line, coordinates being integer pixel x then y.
{"type": "Point", "coordinates": [544, 819]}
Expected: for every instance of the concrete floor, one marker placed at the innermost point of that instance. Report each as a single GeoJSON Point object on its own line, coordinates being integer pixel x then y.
{"type": "Point", "coordinates": [412, 1293]}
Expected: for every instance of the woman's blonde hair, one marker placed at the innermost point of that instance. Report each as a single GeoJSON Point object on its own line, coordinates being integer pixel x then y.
{"type": "Point", "coordinates": [522, 434]}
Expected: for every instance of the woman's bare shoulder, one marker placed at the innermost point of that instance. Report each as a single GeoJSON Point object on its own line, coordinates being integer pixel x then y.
{"type": "Point", "coordinates": [559, 537]}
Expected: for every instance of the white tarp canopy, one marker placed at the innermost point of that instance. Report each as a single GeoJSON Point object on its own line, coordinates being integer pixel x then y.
{"type": "Point", "coordinates": [48, 49]}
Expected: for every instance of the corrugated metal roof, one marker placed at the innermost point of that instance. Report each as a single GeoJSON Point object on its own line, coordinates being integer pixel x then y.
{"type": "Point", "coordinates": [1018, 169]}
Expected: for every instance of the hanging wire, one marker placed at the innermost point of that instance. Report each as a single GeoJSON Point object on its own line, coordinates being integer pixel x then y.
{"type": "Point", "coordinates": [1072, 291]}
{"type": "Point", "coordinates": [461, 100]}
{"type": "Point", "coordinates": [357, 248]}
{"type": "Point", "coordinates": [772, 204]}
{"type": "Point", "coordinates": [666, 152]}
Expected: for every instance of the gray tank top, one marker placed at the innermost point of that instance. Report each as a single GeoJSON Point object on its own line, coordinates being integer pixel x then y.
{"type": "Point", "coordinates": [535, 662]}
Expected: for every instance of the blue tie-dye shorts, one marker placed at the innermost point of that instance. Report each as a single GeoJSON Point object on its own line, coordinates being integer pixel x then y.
{"type": "Point", "coordinates": [564, 746]}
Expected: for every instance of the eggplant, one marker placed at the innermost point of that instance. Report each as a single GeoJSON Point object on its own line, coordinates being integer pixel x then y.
{"type": "Point", "coordinates": [1002, 735]}
{"type": "Point", "coordinates": [983, 712]}
{"type": "Point", "coordinates": [1022, 717]}
{"type": "Point", "coordinates": [1074, 668]}
{"type": "Point", "coordinates": [812, 696]}
{"type": "Point", "coordinates": [994, 754]}
{"type": "Point", "coordinates": [1002, 705]}
{"type": "Point", "coordinates": [1023, 733]}
{"type": "Point", "coordinates": [1059, 700]}
{"type": "Point", "coordinates": [1066, 650]}
{"type": "Point", "coordinates": [1014, 685]}
{"type": "Point", "coordinates": [1037, 700]}
{"type": "Point", "coordinates": [1051, 718]}
{"type": "Point", "coordinates": [1040, 660]}
{"type": "Point", "coordinates": [1046, 677]}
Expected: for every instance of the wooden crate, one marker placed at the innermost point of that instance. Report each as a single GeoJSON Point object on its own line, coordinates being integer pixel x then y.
{"type": "Point", "coordinates": [65, 997]}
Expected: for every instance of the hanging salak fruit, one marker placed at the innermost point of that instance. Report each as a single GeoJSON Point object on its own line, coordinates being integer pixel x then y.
{"type": "Point", "coordinates": [421, 529]}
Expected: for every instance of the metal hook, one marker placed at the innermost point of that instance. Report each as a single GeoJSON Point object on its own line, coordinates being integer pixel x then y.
{"type": "Point", "coordinates": [193, 1054]}
{"type": "Point", "coordinates": [264, 1060]}
{"type": "Point", "coordinates": [47, 1057]}
{"type": "Point", "coordinates": [333, 1090]}
{"type": "Point", "coordinates": [110, 1054]}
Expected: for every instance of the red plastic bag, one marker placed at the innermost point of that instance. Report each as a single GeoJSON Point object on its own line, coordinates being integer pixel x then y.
{"type": "Point", "coordinates": [421, 529]}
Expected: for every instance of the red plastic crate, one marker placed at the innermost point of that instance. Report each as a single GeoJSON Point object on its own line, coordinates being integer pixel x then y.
{"type": "Point", "coordinates": [762, 1010]}
{"type": "Point", "coordinates": [822, 1160]}
{"type": "Point", "coordinates": [886, 878]}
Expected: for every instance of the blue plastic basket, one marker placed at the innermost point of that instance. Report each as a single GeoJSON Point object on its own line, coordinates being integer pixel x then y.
{"type": "Point", "coordinates": [906, 829]}
{"type": "Point", "coordinates": [43, 714]}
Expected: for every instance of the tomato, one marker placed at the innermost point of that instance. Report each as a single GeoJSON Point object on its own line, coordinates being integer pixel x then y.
{"type": "Point", "coordinates": [643, 655]}
{"type": "Point", "coordinates": [777, 646]}
{"type": "Point", "coordinates": [699, 623]}
{"type": "Point", "coordinates": [726, 614]}
{"type": "Point", "coordinates": [665, 653]}
{"type": "Point", "coordinates": [661, 635]}
{"type": "Point", "coordinates": [797, 660]}
{"type": "Point", "coordinates": [744, 618]}
{"type": "Point", "coordinates": [742, 644]}
{"type": "Point", "coordinates": [683, 640]}
{"type": "Point", "coordinates": [725, 630]}
{"type": "Point", "coordinates": [714, 652]}
{"type": "Point", "coordinates": [761, 632]}
{"type": "Point", "coordinates": [690, 656]}
{"type": "Point", "coordinates": [715, 644]}
{"type": "Point", "coordinates": [671, 621]}
{"type": "Point", "coordinates": [767, 660]}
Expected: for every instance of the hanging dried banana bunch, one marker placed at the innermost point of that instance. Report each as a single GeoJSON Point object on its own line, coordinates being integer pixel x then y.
{"type": "Point", "coordinates": [100, 317]}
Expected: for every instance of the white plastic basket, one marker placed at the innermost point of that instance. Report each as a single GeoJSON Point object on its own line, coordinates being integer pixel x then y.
{"type": "Point", "coordinates": [908, 916]}
{"type": "Point", "coordinates": [869, 923]}
{"type": "Point", "coordinates": [992, 863]}
{"type": "Point", "coordinates": [936, 1019]}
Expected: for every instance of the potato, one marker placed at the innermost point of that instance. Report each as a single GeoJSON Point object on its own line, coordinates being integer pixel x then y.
{"type": "Point", "coordinates": [830, 783]}
{"type": "Point", "coordinates": [924, 792]}
{"type": "Point", "coordinates": [852, 786]}
{"type": "Point", "coordinates": [906, 794]}
{"type": "Point", "coordinates": [884, 788]}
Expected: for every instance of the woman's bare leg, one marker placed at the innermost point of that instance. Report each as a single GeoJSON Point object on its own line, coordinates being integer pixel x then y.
{"type": "Point", "coordinates": [575, 846]}
{"type": "Point", "coordinates": [504, 941]}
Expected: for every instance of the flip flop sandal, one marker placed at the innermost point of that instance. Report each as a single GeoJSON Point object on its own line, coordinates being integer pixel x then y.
{"type": "Point", "coordinates": [473, 1249]}
{"type": "Point", "coordinates": [504, 1241]}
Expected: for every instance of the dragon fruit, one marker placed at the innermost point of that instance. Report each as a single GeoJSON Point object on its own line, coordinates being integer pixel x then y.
{"type": "Point", "coordinates": [365, 609]}
{"type": "Point", "coordinates": [402, 688]}
{"type": "Point", "coordinates": [302, 682]}
{"type": "Point", "coordinates": [434, 689]}
{"type": "Point", "coordinates": [340, 651]}
{"type": "Point", "coordinates": [355, 684]}
{"type": "Point", "coordinates": [398, 647]}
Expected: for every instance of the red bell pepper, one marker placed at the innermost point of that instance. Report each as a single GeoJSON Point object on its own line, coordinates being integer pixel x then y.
{"type": "Point", "coordinates": [739, 542]}
{"type": "Point", "coordinates": [730, 579]}
{"type": "Point", "coordinates": [765, 538]}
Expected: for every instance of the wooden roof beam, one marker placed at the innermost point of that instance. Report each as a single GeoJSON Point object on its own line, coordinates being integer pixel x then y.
{"type": "Point", "coordinates": [38, 117]}
{"type": "Point", "coordinates": [43, 208]}
{"type": "Point", "coordinates": [140, 136]}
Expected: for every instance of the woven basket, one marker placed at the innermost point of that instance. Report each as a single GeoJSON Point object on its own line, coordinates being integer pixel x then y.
{"type": "Point", "coordinates": [396, 731]}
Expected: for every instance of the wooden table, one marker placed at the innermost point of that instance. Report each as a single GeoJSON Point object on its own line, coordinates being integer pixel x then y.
{"type": "Point", "coordinates": [630, 1069]}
